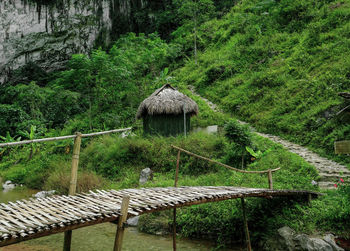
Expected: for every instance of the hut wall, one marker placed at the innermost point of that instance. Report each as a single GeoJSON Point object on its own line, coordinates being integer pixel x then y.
{"type": "Point", "coordinates": [165, 125]}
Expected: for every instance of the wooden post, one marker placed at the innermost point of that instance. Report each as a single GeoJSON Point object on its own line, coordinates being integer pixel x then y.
{"type": "Point", "coordinates": [245, 226]}
{"type": "Point", "coordinates": [174, 229]}
{"type": "Point", "coordinates": [73, 184]}
{"type": "Point", "coordinates": [309, 199]}
{"type": "Point", "coordinates": [120, 227]}
{"type": "Point", "coordinates": [177, 168]}
{"type": "Point", "coordinates": [174, 212]}
{"type": "Point", "coordinates": [270, 179]}
{"type": "Point", "coordinates": [75, 163]}
{"type": "Point", "coordinates": [184, 108]}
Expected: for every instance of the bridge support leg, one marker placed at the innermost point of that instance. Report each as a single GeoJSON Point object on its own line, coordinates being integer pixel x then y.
{"type": "Point", "coordinates": [174, 212]}
{"type": "Point", "coordinates": [121, 221]}
{"type": "Point", "coordinates": [67, 240]}
{"type": "Point", "coordinates": [245, 226]}
{"type": "Point", "coordinates": [174, 229]}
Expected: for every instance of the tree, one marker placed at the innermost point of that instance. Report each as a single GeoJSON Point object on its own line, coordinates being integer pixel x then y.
{"type": "Point", "coordinates": [193, 13]}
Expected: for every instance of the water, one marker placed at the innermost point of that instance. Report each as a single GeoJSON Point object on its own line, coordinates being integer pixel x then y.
{"type": "Point", "coordinates": [101, 237]}
{"type": "Point", "coordinates": [15, 194]}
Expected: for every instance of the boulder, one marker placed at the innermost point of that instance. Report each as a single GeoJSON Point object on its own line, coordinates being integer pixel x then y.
{"type": "Point", "coordinates": [8, 186]}
{"type": "Point", "coordinates": [146, 175]}
{"type": "Point", "coordinates": [132, 222]}
{"type": "Point", "coordinates": [43, 194]}
{"type": "Point", "coordinates": [304, 242]}
{"type": "Point", "coordinates": [329, 238]}
{"type": "Point", "coordinates": [287, 239]}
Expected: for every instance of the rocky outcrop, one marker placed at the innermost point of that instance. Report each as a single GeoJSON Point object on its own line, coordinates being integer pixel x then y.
{"type": "Point", "coordinates": [287, 239]}
{"type": "Point", "coordinates": [145, 175]}
{"type": "Point", "coordinates": [48, 32]}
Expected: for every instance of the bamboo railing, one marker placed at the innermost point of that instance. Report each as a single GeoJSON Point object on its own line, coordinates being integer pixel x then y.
{"type": "Point", "coordinates": [245, 223]}
{"type": "Point", "coordinates": [23, 142]}
{"type": "Point", "coordinates": [269, 171]}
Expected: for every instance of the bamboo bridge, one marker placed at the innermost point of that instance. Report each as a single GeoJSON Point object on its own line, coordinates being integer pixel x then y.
{"type": "Point", "coordinates": [33, 218]}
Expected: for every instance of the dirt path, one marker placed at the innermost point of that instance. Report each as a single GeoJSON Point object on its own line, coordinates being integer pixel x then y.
{"type": "Point", "coordinates": [329, 171]}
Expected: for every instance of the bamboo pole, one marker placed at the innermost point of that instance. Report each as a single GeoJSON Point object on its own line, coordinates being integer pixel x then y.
{"type": "Point", "coordinates": [121, 220]}
{"type": "Point", "coordinates": [245, 226]}
{"type": "Point", "coordinates": [75, 163]}
{"type": "Point", "coordinates": [184, 108]}
{"type": "Point", "coordinates": [174, 229]}
{"type": "Point", "coordinates": [106, 132]}
{"type": "Point", "coordinates": [24, 142]}
{"type": "Point", "coordinates": [73, 184]}
{"type": "Point", "coordinates": [221, 164]}
{"type": "Point", "coordinates": [269, 175]}
{"type": "Point", "coordinates": [174, 211]}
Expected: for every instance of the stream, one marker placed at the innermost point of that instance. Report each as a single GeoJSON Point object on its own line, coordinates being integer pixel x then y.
{"type": "Point", "coordinates": [101, 237]}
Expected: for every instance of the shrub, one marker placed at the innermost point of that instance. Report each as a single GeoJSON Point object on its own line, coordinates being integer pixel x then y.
{"type": "Point", "coordinates": [59, 180]}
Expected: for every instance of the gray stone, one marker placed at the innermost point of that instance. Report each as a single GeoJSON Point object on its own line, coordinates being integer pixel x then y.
{"type": "Point", "coordinates": [287, 239]}
{"type": "Point", "coordinates": [8, 186]}
{"type": "Point", "coordinates": [146, 174]}
{"type": "Point", "coordinates": [43, 194]}
{"type": "Point", "coordinates": [329, 238]}
{"type": "Point", "coordinates": [133, 222]}
{"type": "Point", "coordinates": [304, 242]}
{"type": "Point", "coordinates": [286, 234]}
{"type": "Point", "coordinates": [209, 129]}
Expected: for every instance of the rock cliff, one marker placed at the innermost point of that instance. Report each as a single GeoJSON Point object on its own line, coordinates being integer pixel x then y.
{"type": "Point", "coordinates": [47, 32]}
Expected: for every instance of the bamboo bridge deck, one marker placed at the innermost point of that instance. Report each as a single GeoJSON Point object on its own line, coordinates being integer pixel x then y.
{"type": "Point", "coordinates": [33, 218]}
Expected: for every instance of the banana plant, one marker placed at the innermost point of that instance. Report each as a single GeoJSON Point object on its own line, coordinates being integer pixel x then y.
{"type": "Point", "coordinates": [30, 135]}
{"type": "Point", "coordinates": [258, 154]}
{"type": "Point", "coordinates": [8, 138]}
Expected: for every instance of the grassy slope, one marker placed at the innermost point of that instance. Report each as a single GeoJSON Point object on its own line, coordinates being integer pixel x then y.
{"type": "Point", "coordinates": [279, 65]}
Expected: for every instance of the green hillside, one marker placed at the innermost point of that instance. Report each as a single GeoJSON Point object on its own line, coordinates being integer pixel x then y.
{"type": "Point", "coordinates": [279, 65]}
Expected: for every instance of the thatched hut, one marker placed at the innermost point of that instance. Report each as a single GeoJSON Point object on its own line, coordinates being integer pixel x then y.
{"type": "Point", "coordinates": [163, 112]}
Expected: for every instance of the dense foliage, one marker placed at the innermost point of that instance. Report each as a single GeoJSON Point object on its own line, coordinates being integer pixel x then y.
{"type": "Point", "coordinates": [278, 65]}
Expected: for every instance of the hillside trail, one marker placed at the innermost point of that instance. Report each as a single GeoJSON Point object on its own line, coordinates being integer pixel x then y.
{"type": "Point", "coordinates": [329, 171]}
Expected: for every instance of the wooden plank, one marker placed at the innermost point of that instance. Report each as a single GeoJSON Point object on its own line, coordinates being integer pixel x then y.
{"type": "Point", "coordinates": [121, 221]}
{"type": "Point", "coordinates": [342, 147]}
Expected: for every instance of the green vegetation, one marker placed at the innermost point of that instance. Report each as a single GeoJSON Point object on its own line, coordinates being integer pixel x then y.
{"type": "Point", "coordinates": [276, 64]}
{"type": "Point", "coordinates": [114, 162]}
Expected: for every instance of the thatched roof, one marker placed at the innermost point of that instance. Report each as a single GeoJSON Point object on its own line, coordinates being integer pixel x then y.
{"type": "Point", "coordinates": [344, 95]}
{"type": "Point", "coordinates": [166, 100]}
